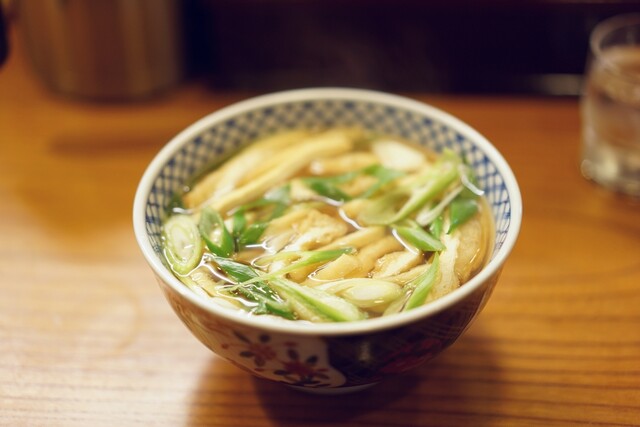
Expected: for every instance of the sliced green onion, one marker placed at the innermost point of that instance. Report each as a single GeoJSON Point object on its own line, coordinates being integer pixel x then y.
{"type": "Point", "coordinates": [381, 210]}
{"type": "Point", "coordinates": [327, 186]}
{"type": "Point", "coordinates": [182, 244]}
{"type": "Point", "coordinates": [460, 211]}
{"type": "Point", "coordinates": [322, 303]}
{"type": "Point", "coordinates": [239, 224]}
{"type": "Point", "coordinates": [422, 285]}
{"type": "Point", "coordinates": [364, 292]}
{"type": "Point", "coordinates": [305, 258]}
{"type": "Point", "coordinates": [422, 190]}
{"type": "Point", "coordinates": [235, 270]}
{"type": "Point", "coordinates": [429, 185]}
{"type": "Point", "coordinates": [427, 215]}
{"type": "Point", "coordinates": [419, 238]}
{"type": "Point", "coordinates": [268, 301]}
{"type": "Point", "coordinates": [326, 189]}
{"type": "Point", "coordinates": [252, 234]}
{"type": "Point", "coordinates": [384, 176]}
{"type": "Point", "coordinates": [436, 227]}
{"type": "Point", "coordinates": [215, 233]}
{"type": "Point", "coordinates": [278, 210]}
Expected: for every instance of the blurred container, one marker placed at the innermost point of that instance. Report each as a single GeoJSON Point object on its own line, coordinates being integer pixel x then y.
{"type": "Point", "coordinates": [104, 49]}
{"type": "Point", "coordinates": [611, 106]}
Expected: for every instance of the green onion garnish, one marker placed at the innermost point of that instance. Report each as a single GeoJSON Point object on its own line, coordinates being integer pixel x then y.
{"type": "Point", "coordinates": [215, 233]}
{"type": "Point", "coordinates": [384, 176]}
{"type": "Point", "coordinates": [267, 299]}
{"type": "Point", "coordinates": [324, 304]}
{"type": "Point", "coordinates": [419, 238]}
{"type": "Point", "coordinates": [422, 285]}
{"type": "Point", "coordinates": [436, 226]}
{"type": "Point", "coordinates": [182, 243]}
{"type": "Point", "coordinates": [326, 189]}
{"type": "Point", "coordinates": [460, 211]}
{"type": "Point", "coordinates": [305, 258]}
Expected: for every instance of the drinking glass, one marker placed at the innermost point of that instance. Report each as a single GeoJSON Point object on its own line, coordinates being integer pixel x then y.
{"type": "Point", "coordinates": [610, 106]}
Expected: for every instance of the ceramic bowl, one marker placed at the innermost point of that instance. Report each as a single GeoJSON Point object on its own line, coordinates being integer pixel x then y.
{"type": "Point", "coordinates": [336, 357]}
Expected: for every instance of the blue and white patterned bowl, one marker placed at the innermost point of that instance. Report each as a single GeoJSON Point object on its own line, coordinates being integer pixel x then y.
{"type": "Point", "coordinates": [337, 357]}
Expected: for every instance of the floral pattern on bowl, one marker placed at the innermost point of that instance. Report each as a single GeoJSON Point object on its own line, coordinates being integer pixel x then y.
{"type": "Point", "coordinates": [324, 361]}
{"type": "Point", "coordinates": [299, 361]}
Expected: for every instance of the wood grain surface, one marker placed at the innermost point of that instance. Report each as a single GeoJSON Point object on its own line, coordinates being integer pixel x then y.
{"type": "Point", "coordinates": [86, 338]}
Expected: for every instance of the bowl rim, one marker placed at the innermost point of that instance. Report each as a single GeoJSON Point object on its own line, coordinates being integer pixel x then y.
{"type": "Point", "coordinates": [325, 329]}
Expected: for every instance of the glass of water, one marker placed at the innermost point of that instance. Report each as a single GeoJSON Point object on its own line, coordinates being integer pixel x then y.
{"type": "Point", "coordinates": [610, 106]}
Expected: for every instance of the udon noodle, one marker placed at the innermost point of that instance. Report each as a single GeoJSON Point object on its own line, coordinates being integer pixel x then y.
{"type": "Point", "coordinates": [329, 226]}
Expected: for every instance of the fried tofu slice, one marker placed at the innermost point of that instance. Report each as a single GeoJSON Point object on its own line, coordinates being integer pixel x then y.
{"type": "Point", "coordinates": [395, 263]}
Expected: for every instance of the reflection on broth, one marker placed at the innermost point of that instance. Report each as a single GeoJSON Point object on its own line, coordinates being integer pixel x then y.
{"type": "Point", "coordinates": [330, 226]}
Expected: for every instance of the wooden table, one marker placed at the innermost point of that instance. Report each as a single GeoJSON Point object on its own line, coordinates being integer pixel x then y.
{"type": "Point", "coordinates": [86, 338]}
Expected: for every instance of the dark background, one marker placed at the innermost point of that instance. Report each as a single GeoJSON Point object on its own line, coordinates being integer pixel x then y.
{"type": "Point", "coordinates": [455, 46]}
{"type": "Point", "coordinates": [439, 46]}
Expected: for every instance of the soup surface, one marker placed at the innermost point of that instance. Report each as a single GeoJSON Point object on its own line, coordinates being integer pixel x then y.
{"type": "Point", "coordinates": [329, 226]}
